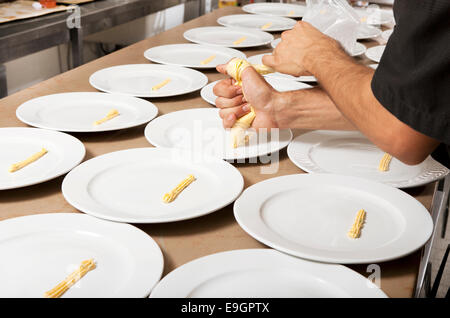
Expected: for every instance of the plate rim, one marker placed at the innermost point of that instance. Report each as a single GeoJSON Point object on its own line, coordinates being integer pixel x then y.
{"type": "Point", "coordinates": [418, 180]}
{"type": "Point", "coordinates": [157, 145]}
{"type": "Point", "coordinates": [369, 51]}
{"type": "Point", "coordinates": [221, 21]}
{"type": "Point", "coordinates": [81, 207]}
{"type": "Point", "coordinates": [203, 79]}
{"type": "Point", "coordinates": [328, 259]}
{"type": "Point", "coordinates": [379, 32]}
{"type": "Point", "coordinates": [186, 35]}
{"type": "Point", "coordinates": [254, 254]}
{"type": "Point", "coordinates": [247, 6]}
{"type": "Point", "coordinates": [237, 52]}
{"type": "Point", "coordinates": [151, 108]}
{"type": "Point", "coordinates": [59, 217]}
{"type": "Point", "coordinates": [76, 143]}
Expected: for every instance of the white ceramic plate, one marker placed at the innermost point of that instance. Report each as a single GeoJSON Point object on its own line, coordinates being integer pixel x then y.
{"type": "Point", "coordinates": [276, 9]}
{"type": "Point", "coordinates": [39, 251]}
{"type": "Point", "coordinates": [128, 185]}
{"type": "Point", "coordinates": [367, 32]}
{"type": "Point", "coordinates": [138, 80]}
{"type": "Point", "coordinates": [257, 59]}
{"type": "Point", "coordinates": [224, 36]}
{"type": "Point", "coordinates": [279, 84]}
{"type": "Point", "coordinates": [201, 131]}
{"type": "Point", "coordinates": [359, 48]}
{"type": "Point", "coordinates": [374, 66]}
{"type": "Point", "coordinates": [374, 53]}
{"type": "Point", "coordinates": [18, 144]}
{"type": "Point", "coordinates": [259, 22]}
{"type": "Point", "coordinates": [351, 153]}
{"type": "Point", "coordinates": [191, 55]}
{"type": "Point", "coordinates": [386, 34]}
{"type": "Point", "coordinates": [309, 215]}
{"type": "Point", "coordinates": [375, 16]}
{"type": "Point", "coordinates": [76, 112]}
{"type": "Point", "coordinates": [262, 273]}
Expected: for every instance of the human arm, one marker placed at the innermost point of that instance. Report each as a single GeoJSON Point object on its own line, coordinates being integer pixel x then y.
{"type": "Point", "coordinates": [348, 84]}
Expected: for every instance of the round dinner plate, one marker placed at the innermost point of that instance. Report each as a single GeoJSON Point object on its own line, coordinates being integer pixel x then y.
{"type": "Point", "coordinates": [192, 55]}
{"type": "Point", "coordinates": [309, 216]}
{"type": "Point", "coordinates": [139, 79]}
{"type": "Point", "coordinates": [17, 143]}
{"type": "Point", "coordinates": [351, 153]}
{"type": "Point", "coordinates": [129, 185]}
{"type": "Point", "coordinates": [259, 22]}
{"type": "Point", "coordinates": [375, 16]}
{"type": "Point", "coordinates": [386, 34]}
{"type": "Point", "coordinates": [374, 53]}
{"type": "Point", "coordinates": [229, 37]}
{"type": "Point", "coordinates": [77, 112]}
{"type": "Point", "coordinates": [367, 32]}
{"type": "Point", "coordinates": [276, 9]}
{"type": "Point", "coordinates": [279, 84]}
{"type": "Point", "coordinates": [257, 59]}
{"type": "Point", "coordinates": [262, 273]}
{"type": "Point", "coordinates": [201, 131]}
{"type": "Point", "coordinates": [39, 251]}
{"type": "Point", "coordinates": [358, 50]}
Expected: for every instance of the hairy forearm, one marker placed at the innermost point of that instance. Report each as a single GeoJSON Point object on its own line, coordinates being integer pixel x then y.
{"type": "Point", "coordinates": [349, 86]}
{"type": "Point", "coordinates": [308, 109]}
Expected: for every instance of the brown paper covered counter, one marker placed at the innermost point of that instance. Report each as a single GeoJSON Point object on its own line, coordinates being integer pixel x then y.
{"type": "Point", "coordinates": [183, 241]}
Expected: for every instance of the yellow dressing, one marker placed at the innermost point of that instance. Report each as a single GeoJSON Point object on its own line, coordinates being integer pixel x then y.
{"type": "Point", "coordinates": [112, 113]}
{"type": "Point", "coordinates": [208, 60]}
{"type": "Point", "coordinates": [355, 230]}
{"type": "Point", "coordinates": [160, 85]}
{"type": "Point", "coordinates": [70, 280]}
{"type": "Point", "coordinates": [170, 196]}
{"type": "Point", "coordinates": [17, 166]}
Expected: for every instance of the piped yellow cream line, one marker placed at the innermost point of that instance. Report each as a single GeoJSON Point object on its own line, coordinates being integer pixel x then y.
{"type": "Point", "coordinates": [112, 113]}
{"type": "Point", "coordinates": [208, 60]}
{"type": "Point", "coordinates": [70, 280]}
{"type": "Point", "coordinates": [266, 26]}
{"type": "Point", "coordinates": [235, 68]}
{"type": "Point", "coordinates": [162, 84]}
{"type": "Point", "coordinates": [291, 13]}
{"type": "Point", "coordinates": [17, 166]}
{"type": "Point", "coordinates": [385, 162]}
{"type": "Point", "coordinates": [170, 196]}
{"type": "Point", "coordinates": [355, 231]}
{"type": "Point", "coordinates": [239, 41]}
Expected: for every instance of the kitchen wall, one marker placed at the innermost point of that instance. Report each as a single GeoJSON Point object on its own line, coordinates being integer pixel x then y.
{"type": "Point", "coordinates": [37, 67]}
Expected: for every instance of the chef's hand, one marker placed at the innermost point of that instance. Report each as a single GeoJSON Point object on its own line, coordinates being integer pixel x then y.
{"type": "Point", "coordinates": [257, 92]}
{"type": "Point", "coordinates": [299, 49]}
